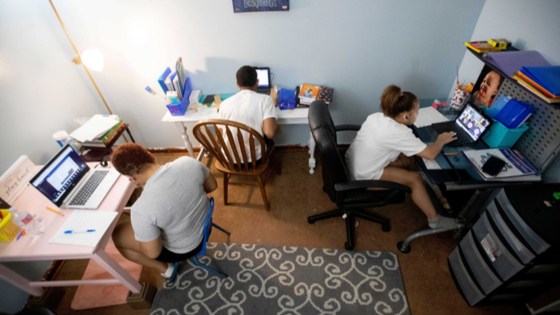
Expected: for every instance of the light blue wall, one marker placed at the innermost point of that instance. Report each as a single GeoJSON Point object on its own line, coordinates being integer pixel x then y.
{"type": "Point", "coordinates": [529, 25]}
{"type": "Point", "coordinates": [357, 47]}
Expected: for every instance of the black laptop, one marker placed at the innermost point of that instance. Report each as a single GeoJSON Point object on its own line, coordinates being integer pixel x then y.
{"type": "Point", "coordinates": [470, 125]}
{"type": "Point", "coordinates": [263, 74]}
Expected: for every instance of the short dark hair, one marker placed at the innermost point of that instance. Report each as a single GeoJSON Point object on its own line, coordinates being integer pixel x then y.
{"type": "Point", "coordinates": [246, 76]}
{"type": "Point", "coordinates": [131, 159]}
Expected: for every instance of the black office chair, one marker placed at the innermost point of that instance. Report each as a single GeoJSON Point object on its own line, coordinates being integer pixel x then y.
{"type": "Point", "coordinates": [350, 196]}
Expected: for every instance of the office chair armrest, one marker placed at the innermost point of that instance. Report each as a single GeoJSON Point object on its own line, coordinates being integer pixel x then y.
{"type": "Point", "coordinates": [363, 184]}
{"type": "Point", "coordinates": [347, 128]}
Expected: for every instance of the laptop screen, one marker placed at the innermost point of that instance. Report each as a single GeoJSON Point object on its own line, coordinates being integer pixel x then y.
{"type": "Point", "coordinates": [472, 122]}
{"type": "Point", "coordinates": [60, 174]}
{"type": "Point", "coordinates": [263, 74]}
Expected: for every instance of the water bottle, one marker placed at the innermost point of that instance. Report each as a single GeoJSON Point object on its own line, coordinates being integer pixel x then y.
{"type": "Point", "coordinates": [25, 220]}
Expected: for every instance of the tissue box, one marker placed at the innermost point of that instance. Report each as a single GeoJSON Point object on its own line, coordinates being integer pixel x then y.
{"type": "Point", "coordinates": [500, 136]}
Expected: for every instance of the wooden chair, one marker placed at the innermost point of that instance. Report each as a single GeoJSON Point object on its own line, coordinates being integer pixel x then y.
{"type": "Point", "coordinates": [233, 159]}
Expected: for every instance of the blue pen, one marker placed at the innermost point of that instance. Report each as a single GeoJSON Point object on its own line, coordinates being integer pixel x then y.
{"type": "Point", "coordinates": [74, 232]}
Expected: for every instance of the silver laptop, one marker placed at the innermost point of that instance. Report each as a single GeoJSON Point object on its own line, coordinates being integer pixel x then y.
{"type": "Point", "coordinates": [263, 75]}
{"type": "Point", "coordinates": [68, 182]}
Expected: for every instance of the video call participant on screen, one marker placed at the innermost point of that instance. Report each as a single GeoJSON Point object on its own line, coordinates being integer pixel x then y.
{"type": "Point", "coordinates": [377, 151]}
{"type": "Point", "coordinates": [250, 108]}
{"type": "Point", "coordinates": [165, 224]}
{"type": "Point", "coordinates": [488, 89]}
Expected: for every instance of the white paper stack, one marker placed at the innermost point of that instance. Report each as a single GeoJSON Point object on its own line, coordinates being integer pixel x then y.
{"type": "Point", "coordinates": [83, 220]}
{"type": "Point", "coordinates": [96, 127]}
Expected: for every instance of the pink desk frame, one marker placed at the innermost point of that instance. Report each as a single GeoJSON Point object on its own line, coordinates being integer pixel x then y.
{"type": "Point", "coordinates": [30, 248]}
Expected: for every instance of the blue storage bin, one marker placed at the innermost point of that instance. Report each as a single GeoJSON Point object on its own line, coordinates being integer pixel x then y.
{"type": "Point", "coordinates": [179, 109]}
{"type": "Point", "coordinates": [286, 99]}
{"type": "Point", "coordinates": [500, 136]}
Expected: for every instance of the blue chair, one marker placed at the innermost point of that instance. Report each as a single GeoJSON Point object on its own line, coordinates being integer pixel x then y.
{"type": "Point", "coordinates": [206, 231]}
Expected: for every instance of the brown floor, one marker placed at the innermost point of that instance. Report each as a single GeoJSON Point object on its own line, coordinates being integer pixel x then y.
{"type": "Point", "coordinates": [293, 196]}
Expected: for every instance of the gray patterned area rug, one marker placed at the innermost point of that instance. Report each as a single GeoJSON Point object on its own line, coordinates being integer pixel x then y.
{"type": "Point", "coordinates": [286, 280]}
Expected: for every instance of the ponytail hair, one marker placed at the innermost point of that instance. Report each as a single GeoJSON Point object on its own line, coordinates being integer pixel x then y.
{"type": "Point", "coordinates": [394, 101]}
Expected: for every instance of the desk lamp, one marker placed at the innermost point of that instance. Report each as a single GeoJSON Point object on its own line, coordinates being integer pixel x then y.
{"type": "Point", "coordinates": [92, 59]}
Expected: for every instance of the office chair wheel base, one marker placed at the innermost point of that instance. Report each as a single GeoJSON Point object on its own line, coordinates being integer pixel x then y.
{"type": "Point", "coordinates": [348, 246]}
{"type": "Point", "coordinates": [386, 227]}
{"type": "Point", "coordinates": [402, 249]}
{"type": "Point", "coordinates": [310, 221]}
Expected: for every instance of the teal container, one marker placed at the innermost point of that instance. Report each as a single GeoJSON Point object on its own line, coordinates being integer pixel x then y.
{"type": "Point", "coordinates": [500, 136]}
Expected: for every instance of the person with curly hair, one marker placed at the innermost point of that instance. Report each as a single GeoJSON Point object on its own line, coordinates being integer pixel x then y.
{"type": "Point", "coordinates": [165, 224]}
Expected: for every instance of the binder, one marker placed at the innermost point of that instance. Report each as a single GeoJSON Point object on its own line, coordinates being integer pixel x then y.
{"type": "Point", "coordinates": [162, 78]}
{"type": "Point", "coordinates": [547, 77]}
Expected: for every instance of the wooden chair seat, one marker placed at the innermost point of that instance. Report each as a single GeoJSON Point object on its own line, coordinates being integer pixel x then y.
{"type": "Point", "coordinates": [233, 159]}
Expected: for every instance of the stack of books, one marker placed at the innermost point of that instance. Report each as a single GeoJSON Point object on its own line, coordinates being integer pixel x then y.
{"type": "Point", "coordinates": [106, 137]}
{"type": "Point", "coordinates": [309, 93]}
{"type": "Point", "coordinates": [544, 82]}
{"type": "Point", "coordinates": [488, 46]}
{"type": "Point", "coordinates": [99, 131]}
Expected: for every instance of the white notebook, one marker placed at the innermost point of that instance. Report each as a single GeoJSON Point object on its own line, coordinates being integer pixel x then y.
{"type": "Point", "coordinates": [428, 116]}
{"type": "Point", "coordinates": [83, 220]}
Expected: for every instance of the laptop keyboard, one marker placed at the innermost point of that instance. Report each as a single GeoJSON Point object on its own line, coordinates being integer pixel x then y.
{"type": "Point", "coordinates": [462, 137]}
{"type": "Point", "coordinates": [263, 91]}
{"type": "Point", "coordinates": [89, 187]}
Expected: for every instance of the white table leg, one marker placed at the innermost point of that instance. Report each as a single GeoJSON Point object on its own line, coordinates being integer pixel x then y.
{"type": "Point", "coordinates": [107, 262]}
{"type": "Point", "coordinates": [183, 131]}
{"type": "Point", "coordinates": [311, 144]}
{"type": "Point", "coordinates": [18, 281]}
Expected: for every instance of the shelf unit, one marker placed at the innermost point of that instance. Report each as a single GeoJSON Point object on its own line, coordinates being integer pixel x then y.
{"type": "Point", "coordinates": [96, 154]}
{"type": "Point", "coordinates": [541, 143]}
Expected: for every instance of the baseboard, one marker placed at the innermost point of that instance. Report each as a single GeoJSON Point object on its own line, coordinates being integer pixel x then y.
{"type": "Point", "coordinates": [291, 148]}
{"type": "Point", "coordinates": [171, 150]}
{"type": "Point", "coordinates": [284, 148]}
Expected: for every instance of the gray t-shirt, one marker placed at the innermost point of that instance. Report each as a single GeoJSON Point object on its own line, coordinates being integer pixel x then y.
{"type": "Point", "coordinates": [173, 205]}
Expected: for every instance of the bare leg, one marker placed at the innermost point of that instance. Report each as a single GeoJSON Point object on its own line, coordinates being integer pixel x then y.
{"type": "Point", "coordinates": [129, 247]}
{"type": "Point", "coordinates": [414, 181]}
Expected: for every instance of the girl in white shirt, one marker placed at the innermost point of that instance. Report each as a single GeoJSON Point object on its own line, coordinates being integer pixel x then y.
{"type": "Point", "coordinates": [375, 152]}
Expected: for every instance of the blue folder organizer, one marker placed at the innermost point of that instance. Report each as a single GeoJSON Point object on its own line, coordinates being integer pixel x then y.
{"type": "Point", "coordinates": [179, 109]}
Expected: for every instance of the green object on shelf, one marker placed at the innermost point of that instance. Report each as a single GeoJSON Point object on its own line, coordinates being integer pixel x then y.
{"type": "Point", "coordinates": [556, 195]}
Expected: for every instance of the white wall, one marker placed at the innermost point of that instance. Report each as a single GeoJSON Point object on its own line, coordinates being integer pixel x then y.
{"type": "Point", "coordinates": [356, 47]}
{"type": "Point", "coordinates": [529, 25]}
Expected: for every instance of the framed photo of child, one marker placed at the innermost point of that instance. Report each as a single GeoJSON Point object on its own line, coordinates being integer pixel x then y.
{"type": "Point", "coordinates": [486, 88]}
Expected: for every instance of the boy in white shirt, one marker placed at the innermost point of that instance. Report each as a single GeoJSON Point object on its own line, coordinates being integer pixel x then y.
{"type": "Point", "coordinates": [374, 153]}
{"type": "Point", "coordinates": [250, 108]}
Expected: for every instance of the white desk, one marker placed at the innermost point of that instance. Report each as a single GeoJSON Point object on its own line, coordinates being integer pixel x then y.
{"type": "Point", "coordinates": [285, 117]}
{"type": "Point", "coordinates": [30, 248]}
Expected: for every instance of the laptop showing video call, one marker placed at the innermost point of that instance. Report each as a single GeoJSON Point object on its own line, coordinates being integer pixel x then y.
{"type": "Point", "coordinates": [263, 75]}
{"type": "Point", "coordinates": [68, 182]}
{"type": "Point", "coordinates": [470, 125]}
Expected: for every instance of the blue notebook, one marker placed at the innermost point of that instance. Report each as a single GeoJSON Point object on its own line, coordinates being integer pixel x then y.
{"type": "Point", "coordinates": [547, 77]}
{"type": "Point", "coordinates": [162, 78]}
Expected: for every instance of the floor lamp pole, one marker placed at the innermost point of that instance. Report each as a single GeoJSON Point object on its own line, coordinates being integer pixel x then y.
{"type": "Point", "coordinates": [85, 68]}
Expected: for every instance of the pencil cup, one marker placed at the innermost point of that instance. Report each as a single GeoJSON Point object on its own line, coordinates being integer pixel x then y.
{"type": "Point", "coordinates": [460, 98]}
{"type": "Point", "coordinates": [61, 137]}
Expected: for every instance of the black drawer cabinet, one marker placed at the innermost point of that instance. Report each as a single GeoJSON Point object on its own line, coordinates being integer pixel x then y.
{"type": "Point", "coordinates": [511, 254]}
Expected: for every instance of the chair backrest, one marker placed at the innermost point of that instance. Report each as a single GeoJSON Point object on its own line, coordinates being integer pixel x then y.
{"type": "Point", "coordinates": [234, 156]}
{"type": "Point", "coordinates": [324, 133]}
{"type": "Point", "coordinates": [207, 230]}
